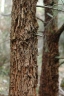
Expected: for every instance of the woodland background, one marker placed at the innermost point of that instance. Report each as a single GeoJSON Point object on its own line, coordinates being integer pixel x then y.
{"type": "Point", "coordinates": [5, 23]}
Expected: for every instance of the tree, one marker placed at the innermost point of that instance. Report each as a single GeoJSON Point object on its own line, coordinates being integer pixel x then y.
{"type": "Point", "coordinates": [49, 73]}
{"type": "Point", "coordinates": [23, 39]}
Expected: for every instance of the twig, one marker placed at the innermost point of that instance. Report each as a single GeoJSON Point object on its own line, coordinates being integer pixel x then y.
{"type": "Point", "coordinates": [40, 31]}
{"type": "Point", "coordinates": [39, 35]}
{"type": "Point", "coordinates": [61, 63]}
{"type": "Point", "coordinates": [58, 57]}
{"type": "Point", "coordinates": [40, 19]}
{"type": "Point", "coordinates": [60, 30]}
{"type": "Point", "coordinates": [50, 8]}
{"type": "Point", "coordinates": [5, 14]}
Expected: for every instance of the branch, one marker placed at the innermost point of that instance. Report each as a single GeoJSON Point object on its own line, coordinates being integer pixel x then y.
{"type": "Point", "coordinates": [41, 31]}
{"type": "Point", "coordinates": [40, 19]}
{"type": "Point", "coordinates": [61, 63]}
{"type": "Point", "coordinates": [5, 14]}
{"type": "Point", "coordinates": [60, 30]}
{"type": "Point", "coordinates": [50, 8]}
{"type": "Point", "coordinates": [61, 91]}
{"type": "Point", "coordinates": [58, 57]}
{"type": "Point", "coordinates": [54, 4]}
{"type": "Point", "coordinates": [39, 35]}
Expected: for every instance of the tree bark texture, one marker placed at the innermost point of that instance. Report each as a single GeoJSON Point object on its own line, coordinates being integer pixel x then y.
{"type": "Point", "coordinates": [49, 72]}
{"type": "Point", "coordinates": [23, 39]}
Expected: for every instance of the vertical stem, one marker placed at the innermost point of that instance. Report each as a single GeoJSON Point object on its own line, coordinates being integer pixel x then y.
{"type": "Point", "coordinates": [49, 72]}
{"type": "Point", "coordinates": [23, 39]}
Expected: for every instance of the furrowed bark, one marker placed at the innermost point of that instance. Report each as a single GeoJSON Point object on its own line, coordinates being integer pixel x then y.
{"type": "Point", "coordinates": [23, 39]}
{"type": "Point", "coordinates": [49, 72]}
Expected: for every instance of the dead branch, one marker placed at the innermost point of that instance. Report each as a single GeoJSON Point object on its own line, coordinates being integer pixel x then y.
{"type": "Point", "coordinates": [61, 63]}
{"type": "Point", "coordinates": [39, 35]}
{"type": "Point", "coordinates": [61, 91]}
{"type": "Point", "coordinates": [58, 57]}
{"type": "Point", "coordinates": [2, 14]}
{"type": "Point", "coordinates": [50, 7]}
{"type": "Point", "coordinates": [40, 19]}
{"type": "Point", "coordinates": [60, 30]}
{"type": "Point", "coordinates": [41, 31]}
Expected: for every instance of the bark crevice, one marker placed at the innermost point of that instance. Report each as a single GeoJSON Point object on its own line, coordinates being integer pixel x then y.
{"type": "Point", "coordinates": [23, 42]}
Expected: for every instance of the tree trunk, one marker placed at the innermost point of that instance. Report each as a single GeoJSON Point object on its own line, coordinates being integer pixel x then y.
{"type": "Point", "coordinates": [23, 39]}
{"type": "Point", "coordinates": [49, 72]}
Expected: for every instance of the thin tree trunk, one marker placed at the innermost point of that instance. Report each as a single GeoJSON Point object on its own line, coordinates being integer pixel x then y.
{"type": "Point", "coordinates": [23, 39]}
{"type": "Point", "coordinates": [49, 72]}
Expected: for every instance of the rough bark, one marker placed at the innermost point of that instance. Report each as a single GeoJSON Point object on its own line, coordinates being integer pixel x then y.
{"type": "Point", "coordinates": [49, 72]}
{"type": "Point", "coordinates": [23, 39]}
